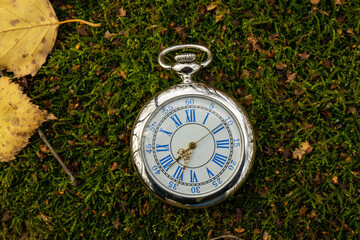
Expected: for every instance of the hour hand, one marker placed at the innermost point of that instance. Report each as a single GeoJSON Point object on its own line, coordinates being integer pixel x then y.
{"type": "Point", "coordinates": [181, 152]}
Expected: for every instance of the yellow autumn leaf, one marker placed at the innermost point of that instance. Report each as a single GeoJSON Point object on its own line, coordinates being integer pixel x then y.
{"type": "Point", "coordinates": [28, 30]}
{"type": "Point", "coordinates": [19, 118]}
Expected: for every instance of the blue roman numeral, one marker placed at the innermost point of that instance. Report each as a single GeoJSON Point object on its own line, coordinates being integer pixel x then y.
{"type": "Point", "coordinates": [190, 115]}
{"type": "Point", "coordinates": [218, 128]}
{"type": "Point", "coordinates": [193, 177]}
{"type": "Point", "coordinates": [162, 148]}
{"type": "Point", "coordinates": [209, 173]}
{"type": "Point", "coordinates": [223, 143]}
{"type": "Point", "coordinates": [166, 132]}
{"type": "Point", "coordinates": [178, 173]}
{"type": "Point", "coordinates": [206, 117]}
{"type": "Point", "coordinates": [219, 159]}
{"type": "Point", "coordinates": [166, 162]}
{"type": "Point", "coordinates": [176, 120]}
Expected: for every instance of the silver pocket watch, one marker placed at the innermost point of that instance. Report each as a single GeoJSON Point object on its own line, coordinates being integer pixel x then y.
{"type": "Point", "coordinates": [192, 145]}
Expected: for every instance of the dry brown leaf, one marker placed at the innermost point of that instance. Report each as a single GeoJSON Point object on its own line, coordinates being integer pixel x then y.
{"type": "Point", "coordinates": [122, 12]}
{"type": "Point", "coordinates": [290, 76]}
{"type": "Point", "coordinates": [281, 66]}
{"type": "Point", "coordinates": [108, 35]}
{"type": "Point", "coordinates": [339, 2]}
{"type": "Point", "coordinates": [218, 17]}
{"type": "Point", "coordinates": [334, 179]}
{"type": "Point", "coordinates": [315, 2]}
{"type": "Point", "coordinates": [305, 146]}
{"type": "Point", "coordinates": [298, 153]}
{"type": "Point", "coordinates": [273, 36]}
{"type": "Point", "coordinates": [19, 118]}
{"type": "Point", "coordinates": [304, 55]}
{"type": "Point", "coordinates": [303, 210]}
{"type": "Point", "coordinates": [211, 6]}
{"type": "Point", "coordinates": [46, 219]}
{"type": "Point", "coordinates": [252, 40]}
{"type": "Point", "coordinates": [28, 30]}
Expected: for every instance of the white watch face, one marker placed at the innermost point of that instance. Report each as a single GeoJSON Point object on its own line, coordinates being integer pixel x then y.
{"type": "Point", "coordinates": [192, 146]}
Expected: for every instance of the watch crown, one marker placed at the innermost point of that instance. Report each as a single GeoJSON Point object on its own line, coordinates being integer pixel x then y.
{"type": "Point", "coordinates": [185, 58]}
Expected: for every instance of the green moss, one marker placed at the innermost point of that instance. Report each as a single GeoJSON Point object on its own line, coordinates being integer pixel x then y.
{"type": "Point", "coordinates": [97, 86]}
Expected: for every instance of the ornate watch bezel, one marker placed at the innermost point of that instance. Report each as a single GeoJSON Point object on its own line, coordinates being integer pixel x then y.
{"type": "Point", "coordinates": [182, 90]}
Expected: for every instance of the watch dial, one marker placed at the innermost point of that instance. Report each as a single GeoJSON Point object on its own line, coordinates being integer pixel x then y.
{"type": "Point", "coordinates": [192, 146]}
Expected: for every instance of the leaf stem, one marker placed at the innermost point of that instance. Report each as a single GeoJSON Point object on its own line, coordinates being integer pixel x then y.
{"type": "Point", "coordinates": [81, 21]}
{"type": "Point", "coordinates": [67, 171]}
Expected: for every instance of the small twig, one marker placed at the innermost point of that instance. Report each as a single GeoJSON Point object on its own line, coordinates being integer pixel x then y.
{"type": "Point", "coordinates": [67, 171]}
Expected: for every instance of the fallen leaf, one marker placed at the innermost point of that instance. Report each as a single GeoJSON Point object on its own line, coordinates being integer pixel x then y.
{"type": "Point", "coordinates": [211, 6]}
{"type": "Point", "coordinates": [290, 76]}
{"type": "Point", "coordinates": [304, 55]}
{"type": "Point", "coordinates": [122, 74]}
{"type": "Point", "coordinates": [273, 37]}
{"type": "Point", "coordinates": [252, 40]}
{"type": "Point", "coordinates": [266, 236]}
{"type": "Point", "coordinates": [305, 146]}
{"type": "Point", "coordinates": [269, 151]}
{"type": "Point", "coordinates": [218, 17]}
{"type": "Point", "coordinates": [117, 224]}
{"type": "Point", "coordinates": [334, 179]}
{"type": "Point", "coordinates": [312, 214]}
{"type": "Point", "coordinates": [45, 218]}
{"type": "Point", "coordinates": [339, 2]}
{"type": "Point", "coordinates": [257, 231]}
{"type": "Point", "coordinates": [44, 149]}
{"type": "Point", "coordinates": [305, 149]}
{"type": "Point", "coordinates": [303, 210]}
{"type": "Point", "coordinates": [122, 12]}
{"type": "Point", "coordinates": [324, 12]}
{"type": "Point", "coordinates": [239, 230]}
{"type": "Point", "coordinates": [245, 73]}
{"type": "Point", "coordinates": [114, 166]}
{"type": "Point", "coordinates": [19, 118]}
{"type": "Point", "coordinates": [108, 35]}
{"type": "Point", "coordinates": [281, 66]}
{"type": "Point", "coordinates": [28, 30]}
{"type": "Point", "coordinates": [352, 110]}
{"type": "Point", "coordinates": [315, 2]}
{"type": "Point", "coordinates": [123, 33]}
{"type": "Point", "coordinates": [298, 153]}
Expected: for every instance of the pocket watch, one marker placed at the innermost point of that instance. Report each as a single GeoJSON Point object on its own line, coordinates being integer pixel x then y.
{"type": "Point", "coordinates": [192, 145]}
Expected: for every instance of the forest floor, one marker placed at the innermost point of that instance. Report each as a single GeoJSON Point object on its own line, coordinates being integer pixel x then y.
{"type": "Point", "coordinates": [293, 65]}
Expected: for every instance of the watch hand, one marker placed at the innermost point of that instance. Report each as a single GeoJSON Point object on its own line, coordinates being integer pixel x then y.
{"type": "Point", "coordinates": [202, 138]}
{"type": "Point", "coordinates": [181, 153]}
{"type": "Point", "coordinates": [186, 162]}
{"type": "Point", "coordinates": [206, 135]}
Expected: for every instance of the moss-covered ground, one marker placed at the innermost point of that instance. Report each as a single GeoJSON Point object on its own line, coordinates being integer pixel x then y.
{"type": "Point", "coordinates": [293, 65]}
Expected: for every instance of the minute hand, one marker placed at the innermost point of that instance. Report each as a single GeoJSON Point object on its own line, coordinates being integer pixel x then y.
{"type": "Point", "coordinates": [214, 130]}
